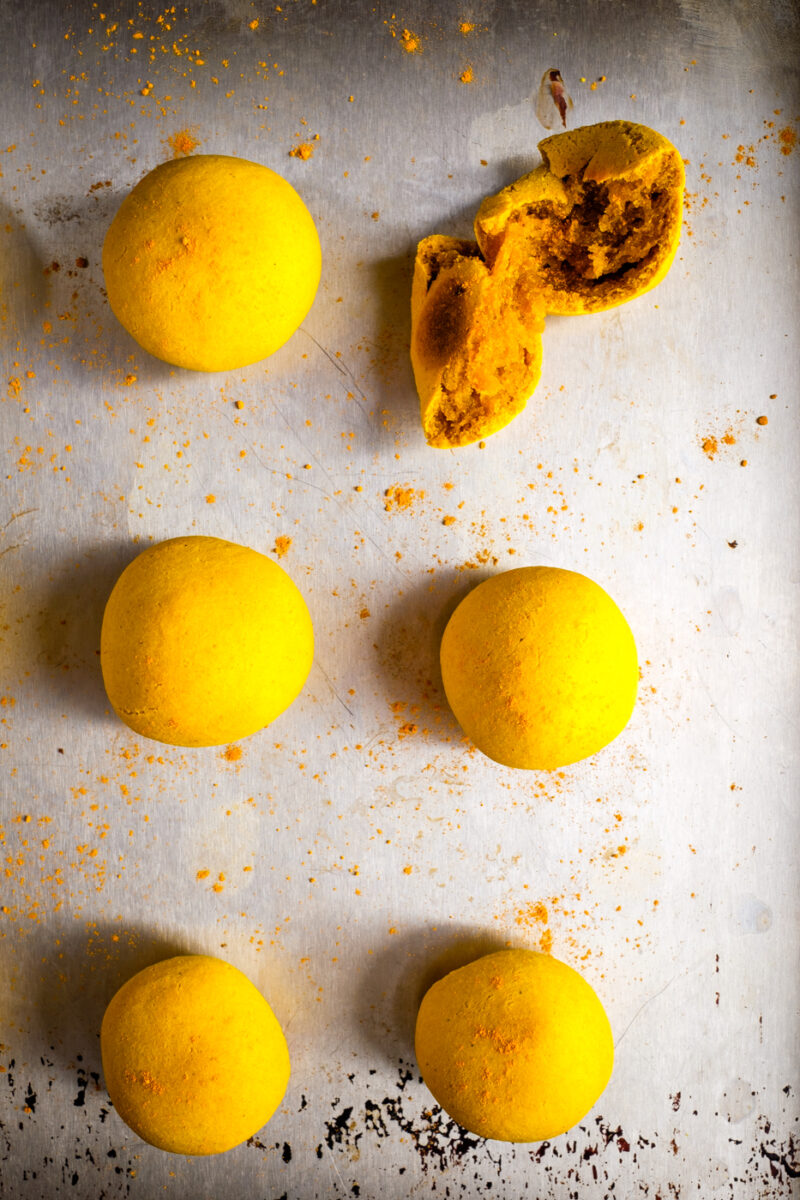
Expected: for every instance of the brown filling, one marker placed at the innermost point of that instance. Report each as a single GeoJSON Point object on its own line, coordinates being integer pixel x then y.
{"type": "Point", "coordinates": [443, 325]}
{"type": "Point", "coordinates": [607, 231]}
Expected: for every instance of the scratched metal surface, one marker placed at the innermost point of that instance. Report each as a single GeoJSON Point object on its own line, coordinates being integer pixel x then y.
{"type": "Point", "coordinates": [359, 841]}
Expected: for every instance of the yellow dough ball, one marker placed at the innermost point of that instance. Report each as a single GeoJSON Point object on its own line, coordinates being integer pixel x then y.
{"type": "Point", "coordinates": [515, 1046]}
{"type": "Point", "coordinates": [211, 262]}
{"type": "Point", "coordinates": [194, 1059]}
{"type": "Point", "coordinates": [539, 667]}
{"type": "Point", "coordinates": [203, 642]}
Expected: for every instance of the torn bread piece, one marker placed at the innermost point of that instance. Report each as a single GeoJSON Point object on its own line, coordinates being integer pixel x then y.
{"type": "Point", "coordinates": [595, 225]}
{"type": "Point", "coordinates": [476, 346]}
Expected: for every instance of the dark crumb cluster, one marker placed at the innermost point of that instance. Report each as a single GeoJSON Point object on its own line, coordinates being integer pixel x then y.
{"type": "Point", "coordinates": [588, 1161]}
{"type": "Point", "coordinates": [594, 1160]}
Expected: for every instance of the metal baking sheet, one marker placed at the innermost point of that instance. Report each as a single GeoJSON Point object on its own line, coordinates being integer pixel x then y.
{"type": "Point", "coordinates": [359, 843]}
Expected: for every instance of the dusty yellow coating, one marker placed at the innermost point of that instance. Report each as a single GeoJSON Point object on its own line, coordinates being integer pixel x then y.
{"type": "Point", "coordinates": [476, 346]}
{"type": "Point", "coordinates": [194, 1059]}
{"type": "Point", "coordinates": [595, 225]}
{"type": "Point", "coordinates": [515, 1046]}
{"type": "Point", "coordinates": [203, 642]}
{"type": "Point", "coordinates": [211, 262]}
{"type": "Point", "coordinates": [540, 668]}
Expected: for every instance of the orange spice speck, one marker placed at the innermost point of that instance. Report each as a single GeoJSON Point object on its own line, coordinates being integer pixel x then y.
{"type": "Point", "coordinates": [182, 143]}
{"type": "Point", "coordinates": [232, 753]}
{"type": "Point", "coordinates": [400, 497]}
{"type": "Point", "coordinates": [411, 42]}
{"type": "Point", "coordinates": [788, 139]}
{"type": "Point", "coordinates": [762, 420]}
{"type": "Point", "coordinates": [282, 545]}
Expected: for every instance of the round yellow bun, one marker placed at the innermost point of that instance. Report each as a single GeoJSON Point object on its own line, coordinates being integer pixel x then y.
{"type": "Point", "coordinates": [539, 667]}
{"type": "Point", "coordinates": [211, 262]}
{"type": "Point", "coordinates": [515, 1046]}
{"type": "Point", "coordinates": [203, 642]}
{"type": "Point", "coordinates": [194, 1059]}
